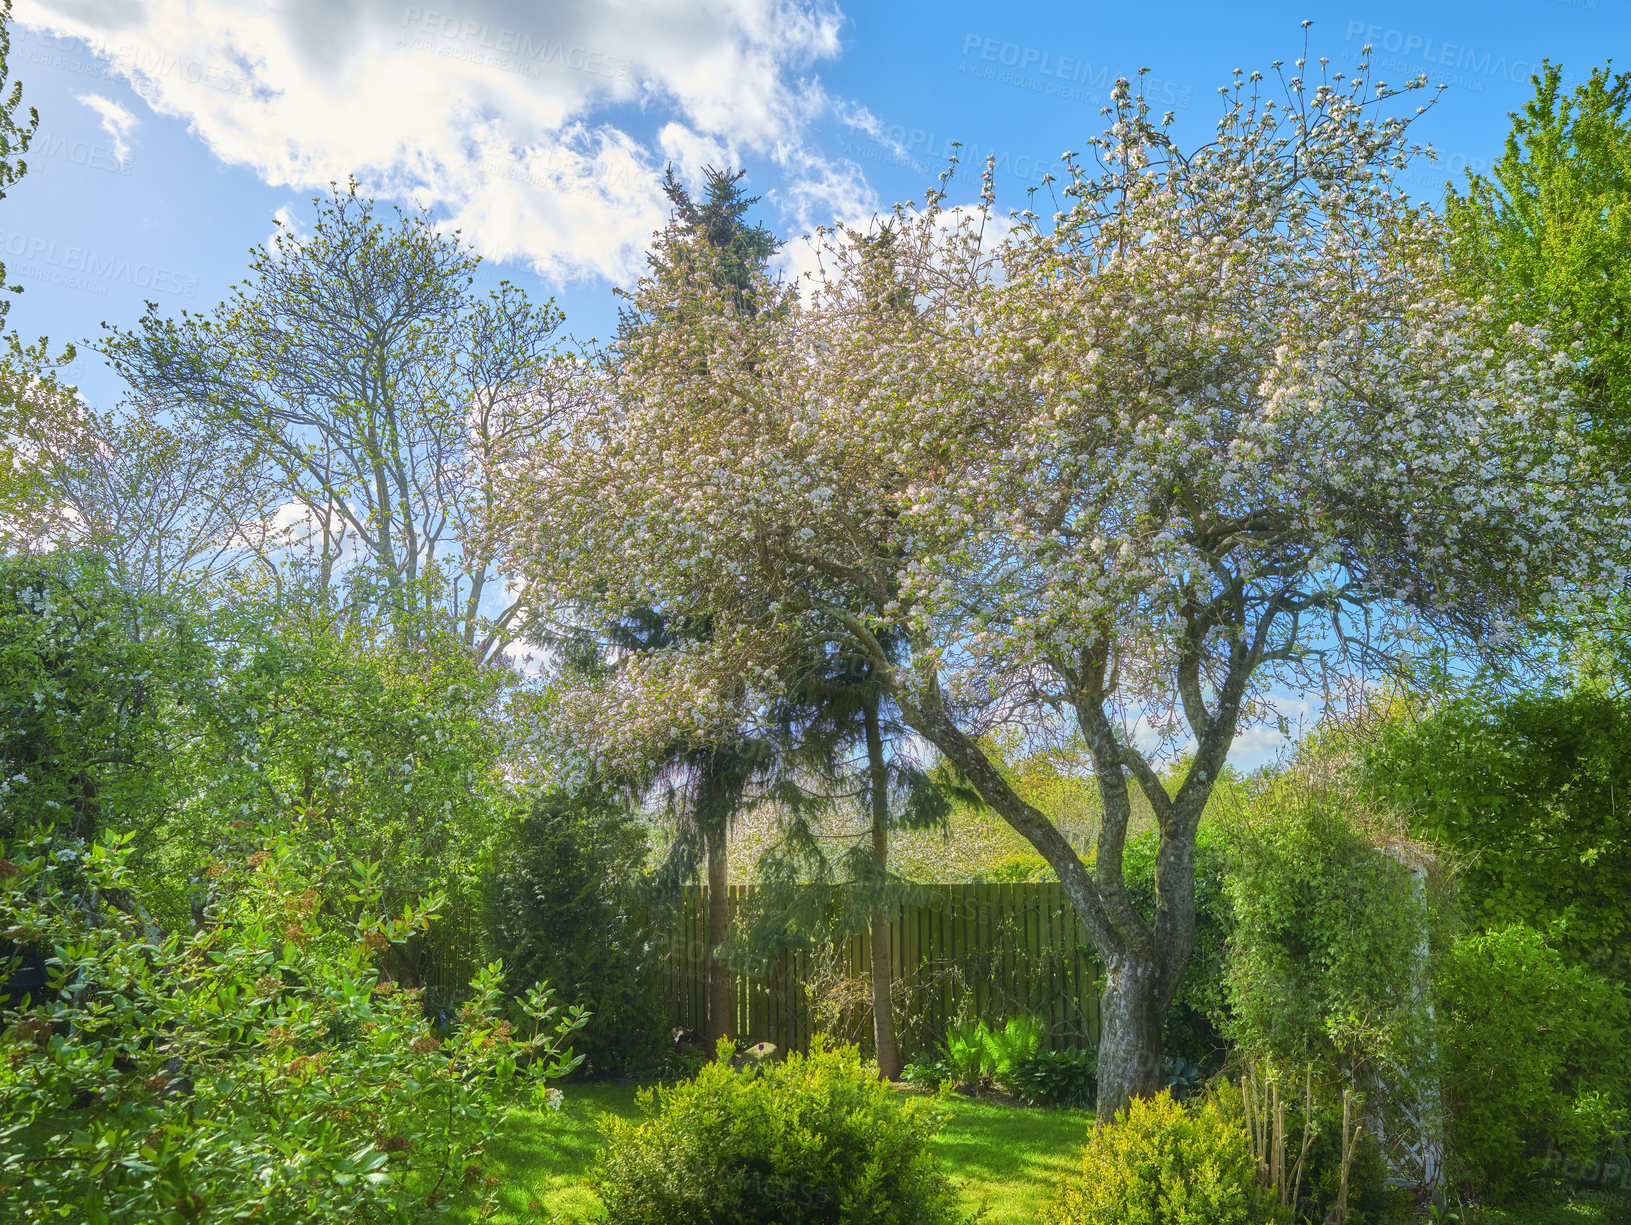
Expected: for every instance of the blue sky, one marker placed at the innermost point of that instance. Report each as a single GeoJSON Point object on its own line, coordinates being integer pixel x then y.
{"type": "Point", "coordinates": [173, 131]}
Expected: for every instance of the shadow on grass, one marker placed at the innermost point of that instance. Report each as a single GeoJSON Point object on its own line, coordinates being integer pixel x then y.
{"type": "Point", "coordinates": [1007, 1159]}
{"type": "Point", "coordinates": [543, 1158]}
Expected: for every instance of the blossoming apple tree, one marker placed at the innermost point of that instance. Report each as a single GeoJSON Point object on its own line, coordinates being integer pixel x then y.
{"type": "Point", "coordinates": [1217, 426]}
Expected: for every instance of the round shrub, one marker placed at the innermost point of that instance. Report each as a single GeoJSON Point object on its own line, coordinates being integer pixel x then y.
{"type": "Point", "coordinates": [814, 1138]}
{"type": "Point", "coordinates": [1161, 1163]}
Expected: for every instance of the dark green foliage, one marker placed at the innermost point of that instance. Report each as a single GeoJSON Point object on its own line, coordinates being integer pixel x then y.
{"type": "Point", "coordinates": [1067, 1077]}
{"type": "Point", "coordinates": [567, 902]}
{"type": "Point", "coordinates": [1527, 794]}
{"type": "Point", "coordinates": [1534, 1053]}
{"type": "Point", "coordinates": [680, 1061]}
{"type": "Point", "coordinates": [1369, 1196]}
{"type": "Point", "coordinates": [1182, 1078]}
{"type": "Point", "coordinates": [815, 1139]}
{"type": "Point", "coordinates": [843, 736]}
{"type": "Point", "coordinates": [719, 218]}
{"type": "Point", "coordinates": [926, 1071]}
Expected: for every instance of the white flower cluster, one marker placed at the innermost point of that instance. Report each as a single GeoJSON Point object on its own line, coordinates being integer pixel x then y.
{"type": "Point", "coordinates": [1224, 419]}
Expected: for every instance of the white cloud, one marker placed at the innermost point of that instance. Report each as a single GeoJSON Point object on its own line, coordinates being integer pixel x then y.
{"type": "Point", "coordinates": [523, 123]}
{"type": "Point", "coordinates": [284, 222]}
{"type": "Point", "coordinates": [117, 122]}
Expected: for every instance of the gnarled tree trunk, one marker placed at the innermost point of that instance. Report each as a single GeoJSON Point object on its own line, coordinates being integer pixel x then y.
{"type": "Point", "coordinates": [1144, 962]}
{"type": "Point", "coordinates": [1131, 1013]}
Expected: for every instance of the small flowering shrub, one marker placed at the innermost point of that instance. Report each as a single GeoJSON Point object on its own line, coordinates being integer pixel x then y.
{"type": "Point", "coordinates": [1160, 1163]}
{"type": "Point", "coordinates": [259, 1069]}
{"type": "Point", "coordinates": [817, 1138]}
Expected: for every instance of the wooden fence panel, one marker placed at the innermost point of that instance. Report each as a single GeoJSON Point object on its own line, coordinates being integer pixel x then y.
{"type": "Point", "coordinates": [987, 951]}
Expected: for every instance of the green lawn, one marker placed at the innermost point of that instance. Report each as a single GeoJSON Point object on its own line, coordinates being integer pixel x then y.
{"type": "Point", "coordinates": [1004, 1158]}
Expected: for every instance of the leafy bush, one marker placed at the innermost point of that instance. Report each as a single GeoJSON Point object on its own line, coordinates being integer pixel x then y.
{"type": "Point", "coordinates": [1530, 791]}
{"type": "Point", "coordinates": [680, 1062]}
{"type": "Point", "coordinates": [1066, 1077]}
{"type": "Point", "coordinates": [122, 712]}
{"type": "Point", "coordinates": [260, 1068]}
{"type": "Point", "coordinates": [92, 680]}
{"type": "Point", "coordinates": [814, 1138]}
{"type": "Point", "coordinates": [391, 746]}
{"type": "Point", "coordinates": [564, 904]}
{"type": "Point", "coordinates": [926, 1071]}
{"type": "Point", "coordinates": [1533, 1048]}
{"type": "Point", "coordinates": [1162, 1164]}
{"type": "Point", "coordinates": [1324, 964]}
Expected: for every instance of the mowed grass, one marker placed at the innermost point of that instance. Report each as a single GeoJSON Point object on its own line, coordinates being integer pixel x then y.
{"type": "Point", "coordinates": [1004, 1159]}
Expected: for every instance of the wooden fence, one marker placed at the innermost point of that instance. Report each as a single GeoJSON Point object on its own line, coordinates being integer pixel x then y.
{"type": "Point", "coordinates": [985, 951]}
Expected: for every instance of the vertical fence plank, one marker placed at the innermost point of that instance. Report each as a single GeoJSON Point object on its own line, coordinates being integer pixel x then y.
{"type": "Point", "coordinates": [1001, 948]}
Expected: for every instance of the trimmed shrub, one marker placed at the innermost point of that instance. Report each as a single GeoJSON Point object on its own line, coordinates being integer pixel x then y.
{"type": "Point", "coordinates": [816, 1138]}
{"type": "Point", "coordinates": [1160, 1163]}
